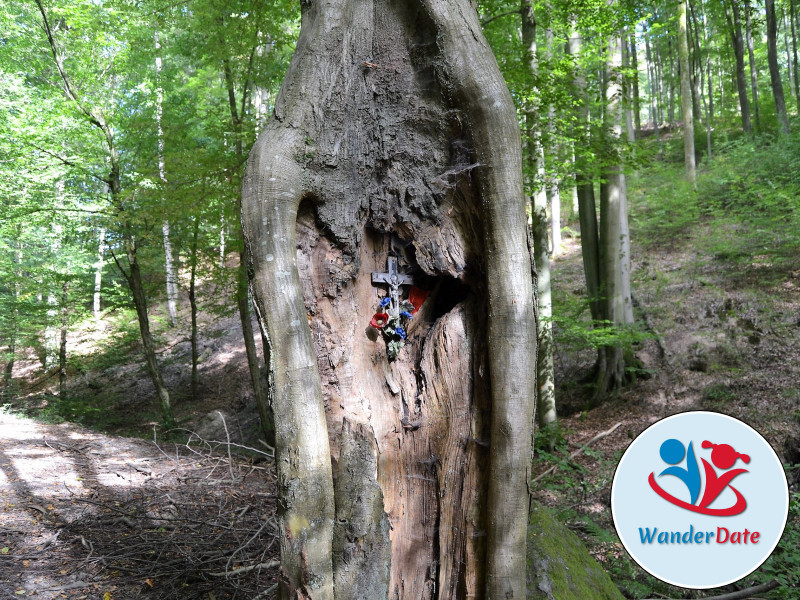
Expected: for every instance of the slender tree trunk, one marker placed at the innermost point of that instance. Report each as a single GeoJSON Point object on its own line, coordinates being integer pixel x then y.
{"type": "Point", "coordinates": [672, 78]}
{"type": "Point", "coordinates": [8, 372]}
{"type": "Point", "coordinates": [134, 278]}
{"type": "Point", "coordinates": [614, 239]}
{"type": "Point", "coordinates": [774, 69]}
{"type": "Point", "coordinates": [222, 236]}
{"type": "Point", "coordinates": [752, 59]}
{"type": "Point", "coordinates": [696, 61]}
{"type": "Point", "coordinates": [587, 210]}
{"type": "Point", "coordinates": [789, 63]}
{"type": "Point", "coordinates": [195, 380]}
{"type": "Point", "coordinates": [257, 378]}
{"type": "Point", "coordinates": [793, 19]}
{"type": "Point", "coordinates": [98, 272]}
{"type": "Point", "coordinates": [651, 83]}
{"type": "Point", "coordinates": [62, 349]}
{"type": "Point", "coordinates": [172, 280]}
{"type": "Point", "coordinates": [553, 191]}
{"type": "Point", "coordinates": [261, 388]}
{"type": "Point", "coordinates": [637, 109]}
{"type": "Point", "coordinates": [416, 485]}
{"type": "Point", "coordinates": [735, 27]}
{"type": "Point", "coordinates": [708, 103]}
{"type": "Point", "coordinates": [545, 367]}
{"type": "Point", "coordinates": [686, 98]}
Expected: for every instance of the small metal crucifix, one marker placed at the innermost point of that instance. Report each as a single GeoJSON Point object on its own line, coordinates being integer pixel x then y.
{"type": "Point", "coordinates": [394, 279]}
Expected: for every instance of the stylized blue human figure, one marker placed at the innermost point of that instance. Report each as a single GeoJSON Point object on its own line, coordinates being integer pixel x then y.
{"type": "Point", "coordinates": [672, 452]}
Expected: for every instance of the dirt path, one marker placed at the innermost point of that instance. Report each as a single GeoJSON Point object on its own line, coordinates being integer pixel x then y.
{"type": "Point", "coordinates": [86, 515]}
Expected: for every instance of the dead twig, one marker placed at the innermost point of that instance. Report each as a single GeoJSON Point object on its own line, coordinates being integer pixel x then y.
{"type": "Point", "coordinates": [270, 565]}
{"type": "Point", "coordinates": [599, 436]}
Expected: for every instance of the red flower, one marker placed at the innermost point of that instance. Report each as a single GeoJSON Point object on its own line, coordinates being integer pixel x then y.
{"type": "Point", "coordinates": [379, 320]}
{"type": "Point", "coordinates": [417, 296]}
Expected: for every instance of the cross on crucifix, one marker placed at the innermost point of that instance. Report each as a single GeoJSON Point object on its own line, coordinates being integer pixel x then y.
{"type": "Point", "coordinates": [394, 279]}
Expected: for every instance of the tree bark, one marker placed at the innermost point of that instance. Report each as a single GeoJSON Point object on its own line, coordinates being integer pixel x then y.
{"type": "Point", "coordinates": [98, 272]}
{"type": "Point", "coordinates": [637, 109]}
{"type": "Point", "coordinates": [545, 366]}
{"type": "Point", "coordinates": [793, 19]}
{"type": "Point", "coordinates": [587, 210]}
{"type": "Point", "coordinates": [258, 379]}
{"type": "Point", "coordinates": [62, 347]}
{"type": "Point", "coordinates": [614, 238]}
{"type": "Point", "coordinates": [195, 379]}
{"type": "Point", "coordinates": [752, 59]}
{"type": "Point", "coordinates": [394, 129]}
{"type": "Point", "coordinates": [134, 279]}
{"type": "Point", "coordinates": [735, 27]}
{"type": "Point", "coordinates": [774, 68]}
{"type": "Point", "coordinates": [686, 97]}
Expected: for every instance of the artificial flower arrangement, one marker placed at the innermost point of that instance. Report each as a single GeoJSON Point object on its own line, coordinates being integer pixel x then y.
{"type": "Point", "coordinates": [393, 317]}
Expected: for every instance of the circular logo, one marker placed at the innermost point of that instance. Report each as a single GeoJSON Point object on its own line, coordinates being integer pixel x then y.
{"type": "Point", "coordinates": [699, 499]}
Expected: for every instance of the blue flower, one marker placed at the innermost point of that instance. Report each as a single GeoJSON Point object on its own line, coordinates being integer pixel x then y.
{"type": "Point", "coordinates": [406, 314]}
{"type": "Point", "coordinates": [401, 332]}
{"type": "Point", "coordinates": [385, 301]}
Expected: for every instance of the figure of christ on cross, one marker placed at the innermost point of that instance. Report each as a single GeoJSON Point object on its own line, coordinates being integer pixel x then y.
{"type": "Point", "coordinates": [394, 280]}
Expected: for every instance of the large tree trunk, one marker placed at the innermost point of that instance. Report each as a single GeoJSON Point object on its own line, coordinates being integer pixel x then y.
{"type": "Point", "coordinates": [686, 98]}
{"type": "Point", "coordinates": [774, 68]}
{"type": "Point", "coordinates": [735, 27]}
{"type": "Point", "coordinates": [408, 478]}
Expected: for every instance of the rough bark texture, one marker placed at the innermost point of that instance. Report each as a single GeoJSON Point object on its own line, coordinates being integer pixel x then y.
{"type": "Point", "coordinates": [774, 68]}
{"type": "Point", "coordinates": [394, 131]}
{"type": "Point", "coordinates": [195, 379]}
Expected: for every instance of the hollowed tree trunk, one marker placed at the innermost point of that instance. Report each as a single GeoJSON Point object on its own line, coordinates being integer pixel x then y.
{"type": "Point", "coordinates": [394, 132]}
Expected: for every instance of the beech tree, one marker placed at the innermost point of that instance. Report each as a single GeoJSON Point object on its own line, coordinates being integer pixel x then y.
{"type": "Point", "coordinates": [394, 136]}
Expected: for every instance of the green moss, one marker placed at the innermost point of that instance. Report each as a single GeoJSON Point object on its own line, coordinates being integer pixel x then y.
{"type": "Point", "coordinates": [559, 566]}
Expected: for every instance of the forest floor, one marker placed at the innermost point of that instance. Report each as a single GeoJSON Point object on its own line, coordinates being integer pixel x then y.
{"type": "Point", "coordinates": [87, 515]}
{"type": "Point", "coordinates": [105, 515]}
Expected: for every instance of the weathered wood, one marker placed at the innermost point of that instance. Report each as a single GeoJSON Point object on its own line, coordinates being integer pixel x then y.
{"type": "Point", "coordinates": [394, 131]}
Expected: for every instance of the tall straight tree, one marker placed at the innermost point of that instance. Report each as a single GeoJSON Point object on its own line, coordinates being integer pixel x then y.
{"type": "Point", "coordinates": [735, 29]}
{"type": "Point", "coordinates": [774, 68]}
{"type": "Point", "coordinates": [686, 95]}
{"type": "Point", "coordinates": [614, 233]}
{"type": "Point", "coordinates": [793, 22]}
{"type": "Point", "coordinates": [394, 131]}
{"type": "Point", "coordinates": [545, 365]}
{"type": "Point", "coordinates": [752, 60]}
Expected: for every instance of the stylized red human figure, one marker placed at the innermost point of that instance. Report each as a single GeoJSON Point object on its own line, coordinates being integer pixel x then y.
{"type": "Point", "coordinates": [724, 457]}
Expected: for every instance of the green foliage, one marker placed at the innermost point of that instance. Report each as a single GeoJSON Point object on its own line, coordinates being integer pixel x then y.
{"type": "Point", "coordinates": [783, 564]}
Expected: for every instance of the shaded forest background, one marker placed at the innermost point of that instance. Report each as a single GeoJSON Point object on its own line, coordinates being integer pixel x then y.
{"type": "Point", "coordinates": [124, 127]}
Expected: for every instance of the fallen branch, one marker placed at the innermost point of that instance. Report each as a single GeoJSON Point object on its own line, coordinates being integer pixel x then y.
{"type": "Point", "coordinates": [269, 565]}
{"type": "Point", "coordinates": [742, 594]}
{"type": "Point", "coordinates": [599, 436]}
